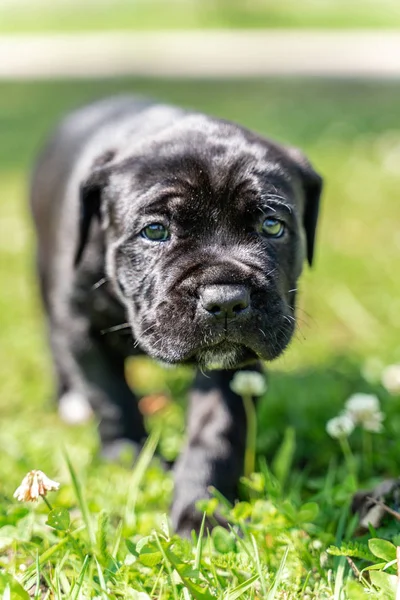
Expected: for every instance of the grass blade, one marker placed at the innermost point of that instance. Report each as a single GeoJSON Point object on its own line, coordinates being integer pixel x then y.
{"type": "Point", "coordinates": [43, 558]}
{"type": "Point", "coordinates": [278, 578]}
{"type": "Point", "coordinates": [77, 587]}
{"type": "Point", "coordinates": [337, 594]}
{"type": "Point", "coordinates": [117, 541]}
{"type": "Point", "coordinates": [168, 567]}
{"type": "Point", "coordinates": [102, 581]}
{"type": "Point", "coordinates": [138, 472]}
{"type": "Point", "coordinates": [258, 564]}
{"type": "Point", "coordinates": [199, 548]}
{"type": "Point", "coordinates": [102, 534]}
{"type": "Point", "coordinates": [81, 500]}
{"type": "Point", "coordinates": [37, 563]}
{"type": "Point", "coordinates": [240, 589]}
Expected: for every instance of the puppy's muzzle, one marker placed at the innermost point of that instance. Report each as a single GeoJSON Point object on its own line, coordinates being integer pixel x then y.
{"type": "Point", "coordinates": [224, 302]}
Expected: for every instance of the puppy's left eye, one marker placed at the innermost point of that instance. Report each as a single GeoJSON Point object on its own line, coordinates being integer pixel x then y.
{"type": "Point", "coordinates": [155, 232]}
{"type": "Point", "coordinates": [273, 227]}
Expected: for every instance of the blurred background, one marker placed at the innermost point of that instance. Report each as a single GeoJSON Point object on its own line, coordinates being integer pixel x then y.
{"type": "Point", "coordinates": [95, 15]}
{"type": "Point", "coordinates": [319, 74]}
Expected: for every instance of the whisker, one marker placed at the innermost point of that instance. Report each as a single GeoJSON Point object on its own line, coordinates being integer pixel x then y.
{"type": "Point", "coordinates": [289, 318]}
{"type": "Point", "coordinates": [115, 328]}
{"type": "Point", "coordinates": [158, 343]}
{"type": "Point", "coordinates": [298, 319]}
{"type": "Point", "coordinates": [136, 344]}
{"type": "Point", "coordinates": [201, 369]}
{"type": "Point", "coordinates": [297, 331]}
{"type": "Point", "coordinates": [99, 283]}
{"type": "Point", "coordinates": [280, 200]}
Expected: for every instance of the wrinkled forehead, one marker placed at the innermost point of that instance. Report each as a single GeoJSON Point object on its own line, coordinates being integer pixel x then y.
{"type": "Point", "coordinates": [217, 166]}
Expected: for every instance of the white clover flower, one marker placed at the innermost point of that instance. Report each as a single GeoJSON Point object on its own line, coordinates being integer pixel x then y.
{"type": "Point", "coordinates": [33, 485]}
{"type": "Point", "coordinates": [248, 383]}
{"type": "Point", "coordinates": [374, 422]}
{"type": "Point", "coordinates": [362, 405]}
{"type": "Point", "coordinates": [391, 379]}
{"type": "Point", "coordinates": [364, 409]}
{"type": "Point", "coordinates": [341, 426]}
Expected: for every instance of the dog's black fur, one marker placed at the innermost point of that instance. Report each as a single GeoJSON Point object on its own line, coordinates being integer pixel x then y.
{"type": "Point", "coordinates": [218, 292]}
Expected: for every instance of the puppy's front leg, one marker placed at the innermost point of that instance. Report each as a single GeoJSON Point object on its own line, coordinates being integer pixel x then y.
{"type": "Point", "coordinates": [214, 452]}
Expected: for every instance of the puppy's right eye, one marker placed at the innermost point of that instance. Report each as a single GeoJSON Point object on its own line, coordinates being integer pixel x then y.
{"type": "Point", "coordinates": [273, 228]}
{"type": "Point", "coordinates": [155, 232]}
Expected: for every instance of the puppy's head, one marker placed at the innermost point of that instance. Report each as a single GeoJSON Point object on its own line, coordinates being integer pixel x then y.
{"type": "Point", "coordinates": [207, 226]}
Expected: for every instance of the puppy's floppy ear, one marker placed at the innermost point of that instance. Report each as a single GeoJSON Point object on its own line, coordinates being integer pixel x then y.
{"type": "Point", "coordinates": [89, 200]}
{"type": "Point", "coordinates": [312, 187]}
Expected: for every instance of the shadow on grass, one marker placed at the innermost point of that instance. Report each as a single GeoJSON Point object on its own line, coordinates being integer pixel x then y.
{"type": "Point", "coordinates": [306, 399]}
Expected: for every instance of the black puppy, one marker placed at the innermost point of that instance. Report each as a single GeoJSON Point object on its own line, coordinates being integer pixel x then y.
{"type": "Point", "coordinates": [192, 229]}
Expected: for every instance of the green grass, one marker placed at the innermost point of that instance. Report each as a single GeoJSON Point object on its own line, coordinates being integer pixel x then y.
{"type": "Point", "coordinates": [44, 16]}
{"type": "Point", "coordinates": [297, 506]}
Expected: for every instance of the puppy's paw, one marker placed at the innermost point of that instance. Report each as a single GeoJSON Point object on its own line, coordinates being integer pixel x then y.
{"type": "Point", "coordinates": [74, 408]}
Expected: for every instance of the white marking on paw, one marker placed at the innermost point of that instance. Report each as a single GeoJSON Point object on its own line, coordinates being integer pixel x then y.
{"type": "Point", "coordinates": [74, 408]}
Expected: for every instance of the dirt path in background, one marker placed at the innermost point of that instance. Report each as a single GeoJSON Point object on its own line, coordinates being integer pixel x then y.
{"type": "Point", "coordinates": [214, 54]}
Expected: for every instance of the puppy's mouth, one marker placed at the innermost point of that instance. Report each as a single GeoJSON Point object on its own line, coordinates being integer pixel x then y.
{"type": "Point", "coordinates": [177, 337]}
{"type": "Point", "coordinates": [224, 355]}
{"type": "Point", "coordinates": [222, 351]}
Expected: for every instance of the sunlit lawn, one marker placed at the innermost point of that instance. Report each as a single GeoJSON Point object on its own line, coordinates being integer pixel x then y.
{"type": "Point", "coordinates": [349, 322]}
{"type": "Point", "coordinates": [38, 16]}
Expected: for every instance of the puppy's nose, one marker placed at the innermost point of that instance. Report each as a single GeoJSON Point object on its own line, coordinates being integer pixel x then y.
{"type": "Point", "coordinates": [225, 301]}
